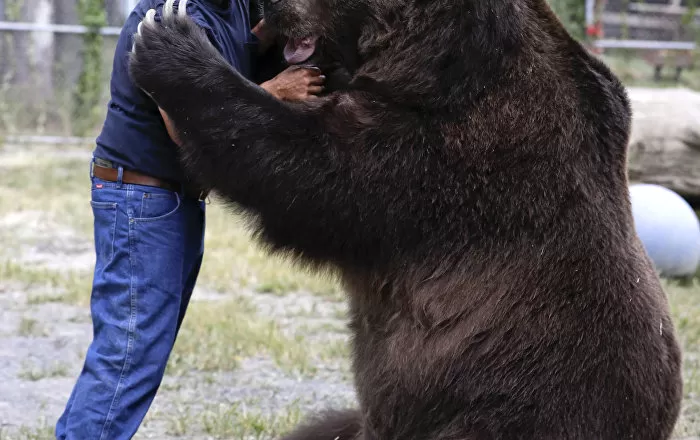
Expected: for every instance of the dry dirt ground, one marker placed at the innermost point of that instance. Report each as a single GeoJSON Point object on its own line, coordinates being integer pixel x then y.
{"type": "Point", "coordinates": [262, 345]}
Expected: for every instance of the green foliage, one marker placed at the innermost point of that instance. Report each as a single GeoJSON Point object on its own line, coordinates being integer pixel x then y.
{"type": "Point", "coordinates": [13, 10]}
{"type": "Point", "coordinates": [572, 14]}
{"type": "Point", "coordinates": [87, 95]}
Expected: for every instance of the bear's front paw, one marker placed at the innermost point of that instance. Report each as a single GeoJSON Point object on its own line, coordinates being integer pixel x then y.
{"type": "Point", "coordinates": [169, 54]}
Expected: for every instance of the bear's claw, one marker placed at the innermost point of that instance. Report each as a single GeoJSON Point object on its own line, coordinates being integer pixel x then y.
{"type": "Point", "coordinates": [169, 8]}
{"type": "Point", "coordinates": [168, 14]}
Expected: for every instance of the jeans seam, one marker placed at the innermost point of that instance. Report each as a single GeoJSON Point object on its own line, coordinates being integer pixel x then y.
{"type": "Point", "coordinates": [113, 232]}
{"type": "Point", "coordinates": [130, 332]}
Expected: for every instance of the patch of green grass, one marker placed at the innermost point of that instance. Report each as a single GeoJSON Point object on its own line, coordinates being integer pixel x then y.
{"type": "Point", "coordinates": [685, 308]}
{"type": "Point", "coordinates": [238, 422]}
{"type": "Point", "coordinates": [48, 285]}
{"type": "Point", "coordinates": [337, 349]}
{"type": "Point", "coordinates": [43, 431]}
{"type": "Point", "coordinates": [232, 258]}
{"type": "Point", "coordinates": [684, 300]}
{"type": "Point", "coordinates": [57, 186]}
{"type": "Point", "coordinates": [233, 421]}
{"type": "Point", "coordinates": [34, 373]}
{"type": "Point", "coordinates": [216, 336]}
{"type": "Point", "coordinates": [29, 327]}
{"type": "Point", "coordinates": [181, 423]}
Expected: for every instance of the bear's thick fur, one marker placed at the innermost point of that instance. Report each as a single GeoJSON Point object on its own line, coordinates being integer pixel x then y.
{"type": "Point", "coordinates": [469, 187]}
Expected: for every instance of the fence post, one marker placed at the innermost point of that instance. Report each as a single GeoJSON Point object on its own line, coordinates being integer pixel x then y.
{"type": "Point", "coordinates": [89, 88]}
{"type": "Point", "coordinates": [3, 44]}
{"type": "Point", "coordinates": [590, 12]}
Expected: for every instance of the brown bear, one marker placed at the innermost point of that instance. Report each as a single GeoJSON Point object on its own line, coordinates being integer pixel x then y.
{"type": "Point", "coordinates": [469, 188]}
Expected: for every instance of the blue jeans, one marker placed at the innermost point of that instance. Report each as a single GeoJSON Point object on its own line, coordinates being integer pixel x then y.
{"type": "Point", "coordinates": [149, 244]}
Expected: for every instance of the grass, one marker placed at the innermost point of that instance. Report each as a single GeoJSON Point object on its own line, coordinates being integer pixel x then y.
{"type": "Point", "coordinates": [55, 186]}
{"type": "Point", "coordinates": [230, 260]}
{"type": "Point", "coordinates": [42, 431]}
{"type": "Point", "coordinates": [217, 336]}
{"type": "Point", "coordinates": [34, 373]}
{"type": "Point", "coordinates": [30, 327]}
{"type": "Point", "coordinates": [235, 421]}
{"type": "Point", "coordinates": [684, 300]}
{"type": "Point", "coordinates": [238, 422]}
{"type": "Point", "coordinates": [45, 285]}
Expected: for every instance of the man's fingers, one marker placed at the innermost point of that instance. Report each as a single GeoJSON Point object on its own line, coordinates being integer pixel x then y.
{"type": "Point", "coordinates": [317, 79]}
{"type": "Point", "coordinates": [305, 70]}
{"type": "Point", "coordinates": [314, 71]}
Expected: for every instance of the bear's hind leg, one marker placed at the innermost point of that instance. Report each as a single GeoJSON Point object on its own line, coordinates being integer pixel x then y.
{"type": "Point", "coordinates": [330, 425]}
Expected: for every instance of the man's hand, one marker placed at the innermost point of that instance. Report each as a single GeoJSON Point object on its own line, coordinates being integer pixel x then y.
{"type": "Point", "coordinates": [295, 84]}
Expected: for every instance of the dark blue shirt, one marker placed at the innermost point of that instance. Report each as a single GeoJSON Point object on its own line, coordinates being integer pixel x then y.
{"type": "Point", "coordinates": [133, 134]}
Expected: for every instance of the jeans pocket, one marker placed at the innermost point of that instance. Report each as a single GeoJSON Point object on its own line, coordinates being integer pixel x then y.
{"type": "Point", "coordinates": [158, 206]}
{"type": "Point", "coordinates": [105, 218]}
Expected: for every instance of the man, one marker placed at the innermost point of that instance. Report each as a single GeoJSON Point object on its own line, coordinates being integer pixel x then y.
{"type": "Point", "coordinates": [148, 231]}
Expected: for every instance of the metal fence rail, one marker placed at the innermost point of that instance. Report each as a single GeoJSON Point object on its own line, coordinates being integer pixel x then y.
{"type": "Point", "coordinates": [628, 24]}
{"type": "Point", "coordinates": [55, 28]}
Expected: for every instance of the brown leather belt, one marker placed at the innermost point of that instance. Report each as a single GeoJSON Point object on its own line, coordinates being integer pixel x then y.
{"type": "Point", "coordinates": [136, 178]}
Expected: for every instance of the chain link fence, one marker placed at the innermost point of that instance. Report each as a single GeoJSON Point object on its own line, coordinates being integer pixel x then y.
{"type": "Point", "coordinates": [44, 45]}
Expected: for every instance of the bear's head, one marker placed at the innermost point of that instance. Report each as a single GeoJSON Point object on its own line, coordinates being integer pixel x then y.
{"type": "Point", "coordinates": [306, 20]}
{"type": "Point", "coordinates": [322, 33]}
{"type": "Point", "coordinates": [421, 51]}
{"type": "Point", "coordinates": [448, 57]}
